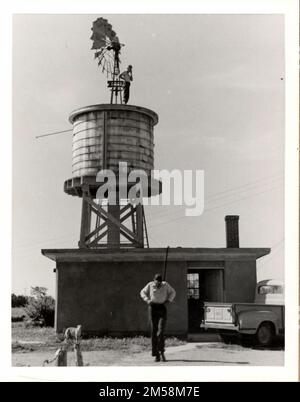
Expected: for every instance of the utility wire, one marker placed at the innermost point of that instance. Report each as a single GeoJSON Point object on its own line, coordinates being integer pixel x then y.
{"type": "Point", "coordinates": [244, 187]}
{"type": "Point", "coordinates": [158, 215]}
{"type": "Point", "coordinates": [216, 207]}
{"type": "Point", "coordinates": [210, 208]}
{"type": "Point", "coordinates": [215, 197]}
{"type": "Point", "coordinates": [270, 256]}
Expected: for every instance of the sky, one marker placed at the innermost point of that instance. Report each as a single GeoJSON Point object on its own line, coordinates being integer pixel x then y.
{"type": "Point", "coordinates": [217, 84]}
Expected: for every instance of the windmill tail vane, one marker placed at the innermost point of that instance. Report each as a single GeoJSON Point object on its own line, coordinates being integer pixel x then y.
{"type": "Point", "coordinates": [108, 49]}
{"type": "Point", "coordinates": [101, 31]}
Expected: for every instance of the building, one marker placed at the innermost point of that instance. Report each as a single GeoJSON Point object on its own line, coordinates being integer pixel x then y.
{"type": "Point", "coordinates": [100, 288]}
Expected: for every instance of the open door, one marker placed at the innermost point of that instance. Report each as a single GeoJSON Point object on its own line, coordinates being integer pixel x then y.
{"type": "Point", "coordinates": [203, 285]}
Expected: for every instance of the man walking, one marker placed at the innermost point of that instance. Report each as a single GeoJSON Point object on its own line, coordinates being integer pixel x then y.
{"type": "Point", "coordinates": [127, 77]}
{"type": "Point", "coordinates": [157, 294]}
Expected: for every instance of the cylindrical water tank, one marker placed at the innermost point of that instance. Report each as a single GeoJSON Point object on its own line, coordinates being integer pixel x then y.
{"type": "Point", "coordinates": [104, 135]}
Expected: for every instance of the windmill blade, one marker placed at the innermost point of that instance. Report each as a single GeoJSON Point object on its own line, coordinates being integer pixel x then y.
{"type": "Point", "coordinates": [103, 68]}
{"type": "Point", "coordinates": [109, 56]}
{"type": "Point", "coordinates": [98, 54]}
{"type": "Point", "coordinates": [100, 60]}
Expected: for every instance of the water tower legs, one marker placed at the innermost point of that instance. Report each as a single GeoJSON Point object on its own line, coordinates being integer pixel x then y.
{"type": "Point", "coordinates": [113, 230]}
{"type": "Point", "coordinates": [115, 226]}
{"type": "Point", "coordinates": [140, 223]}
{"type": "Point", "coordinates": [85, 221]}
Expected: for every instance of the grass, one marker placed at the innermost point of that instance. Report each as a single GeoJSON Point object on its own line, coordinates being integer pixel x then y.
{"type": "Point", "coordinates": [34, 334]}
{"type": "Point", "coordinates": [36, 339]}
{"type": "Point", "coordinates": [17, 312]}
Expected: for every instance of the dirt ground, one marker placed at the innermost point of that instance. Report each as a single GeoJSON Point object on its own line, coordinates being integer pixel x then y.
{"type": "Point", "coordinates": [191, 354]}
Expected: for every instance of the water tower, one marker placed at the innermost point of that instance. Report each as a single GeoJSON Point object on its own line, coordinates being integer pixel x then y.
{"type": "Point", "coordinates": [103, 136]}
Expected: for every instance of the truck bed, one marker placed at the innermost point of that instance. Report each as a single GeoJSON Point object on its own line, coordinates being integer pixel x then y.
{"type": "Point", "coordinates": [226, 315]}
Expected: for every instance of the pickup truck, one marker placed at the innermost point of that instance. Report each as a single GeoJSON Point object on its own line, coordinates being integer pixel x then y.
{"type": "Point", "coordinates": [261, 321]}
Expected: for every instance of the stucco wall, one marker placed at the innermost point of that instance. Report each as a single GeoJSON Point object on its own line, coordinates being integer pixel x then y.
{"type": "Point", "coordinates": [104, 297]}
{"type": "Point", "coordinates": [240, 281]}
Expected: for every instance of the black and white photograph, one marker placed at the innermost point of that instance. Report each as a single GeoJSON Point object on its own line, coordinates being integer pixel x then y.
{"type": "Point", "coordinates": [149, 194]}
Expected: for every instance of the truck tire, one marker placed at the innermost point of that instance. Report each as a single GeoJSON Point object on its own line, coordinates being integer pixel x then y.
{"type": "Point", "coordinates": [265, 334]}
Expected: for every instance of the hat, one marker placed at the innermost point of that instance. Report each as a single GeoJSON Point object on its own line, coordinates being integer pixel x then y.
{"type": "Point", "coordinates": [158, 277]}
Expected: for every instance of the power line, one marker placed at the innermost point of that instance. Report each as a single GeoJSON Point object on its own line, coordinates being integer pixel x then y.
{"type": "Point", "coordinates": [216, 207]}
{"type": "Point", "coordinates": [217, 196]}
{"type": "Point", "coordinates": [239, 189]}
{"type": "Point", "coordinates": [269, 257]}
{"type": "Point", "coordinates": [277, 244]}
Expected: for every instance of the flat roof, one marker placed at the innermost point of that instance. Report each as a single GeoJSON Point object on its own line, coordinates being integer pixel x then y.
{"type": "Point", "coordinates": [154, 254]}
{"type": "Point", "coordinates": [109, 107]}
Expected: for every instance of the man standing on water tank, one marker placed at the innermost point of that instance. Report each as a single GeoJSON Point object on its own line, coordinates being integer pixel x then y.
{"type": "Point", "coordinates": [157, 294]}
{"type": "Point", "coordinates": [127, 77]}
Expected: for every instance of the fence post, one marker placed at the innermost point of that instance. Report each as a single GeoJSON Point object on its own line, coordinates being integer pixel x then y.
{"type": "Point", "coordinates": [78, 354]}
{"type": "Point", "coordinates": [62, 359]}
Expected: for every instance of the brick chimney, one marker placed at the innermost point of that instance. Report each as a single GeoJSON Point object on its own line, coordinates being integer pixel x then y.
{"type": "Point", "coordinates": [232, 231]}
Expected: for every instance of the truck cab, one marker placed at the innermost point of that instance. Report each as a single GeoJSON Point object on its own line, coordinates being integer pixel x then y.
{"type": "Point", "coordinates": [269, 291]}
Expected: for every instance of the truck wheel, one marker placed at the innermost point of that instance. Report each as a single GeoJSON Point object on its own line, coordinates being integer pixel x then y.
{"type": "Point", "coordinates": [265, 334]}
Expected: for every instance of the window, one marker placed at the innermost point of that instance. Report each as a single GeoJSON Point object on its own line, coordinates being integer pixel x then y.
{"type": "Point", "coordinates": [193, 286]}
{"type": "Point", "coordinates": [268, 289]}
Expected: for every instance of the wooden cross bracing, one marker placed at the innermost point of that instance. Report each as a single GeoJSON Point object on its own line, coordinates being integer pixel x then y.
{"type": "Point", "coordinates": [110, 225]}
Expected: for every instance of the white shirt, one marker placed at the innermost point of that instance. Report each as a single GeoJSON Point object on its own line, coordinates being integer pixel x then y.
{"type": "Point", "coordinates": [158, 294]}
{"type": "Point", "coordinates": [126, 76]}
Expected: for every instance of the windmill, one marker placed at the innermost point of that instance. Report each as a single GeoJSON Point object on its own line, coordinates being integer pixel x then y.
{"type": "Point", "coordinates": [108, 49]}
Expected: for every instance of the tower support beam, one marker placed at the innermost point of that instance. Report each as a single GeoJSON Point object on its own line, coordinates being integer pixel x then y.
{"type": "Point", "coordinates": [85, 221]}
{"type": "Point", "coordinates": [113, 229]}
{"type": "Point", "coordinates": [116, 226]}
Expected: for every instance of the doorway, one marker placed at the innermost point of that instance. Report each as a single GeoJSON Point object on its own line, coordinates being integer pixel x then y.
{"type": "Point", "coordinates": [203, 285]}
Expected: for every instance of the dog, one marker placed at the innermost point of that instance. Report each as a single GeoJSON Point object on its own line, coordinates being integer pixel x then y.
{"type": "Point", "coordinates": [73, 333]}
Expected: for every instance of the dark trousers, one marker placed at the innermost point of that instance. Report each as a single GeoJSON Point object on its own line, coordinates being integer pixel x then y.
{"type": "Point", "coordinates": [158, 319]}
{"type": "Point", "coordinates": [126, 92]}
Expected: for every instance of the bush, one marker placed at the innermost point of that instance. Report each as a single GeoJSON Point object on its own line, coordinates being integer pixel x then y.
{"type": "Point", "coordinates": [18, 301]}
{"type": "Point", "coordinates": [40, 308]}
{"type": "Point", "coordinates": [18, 318]}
